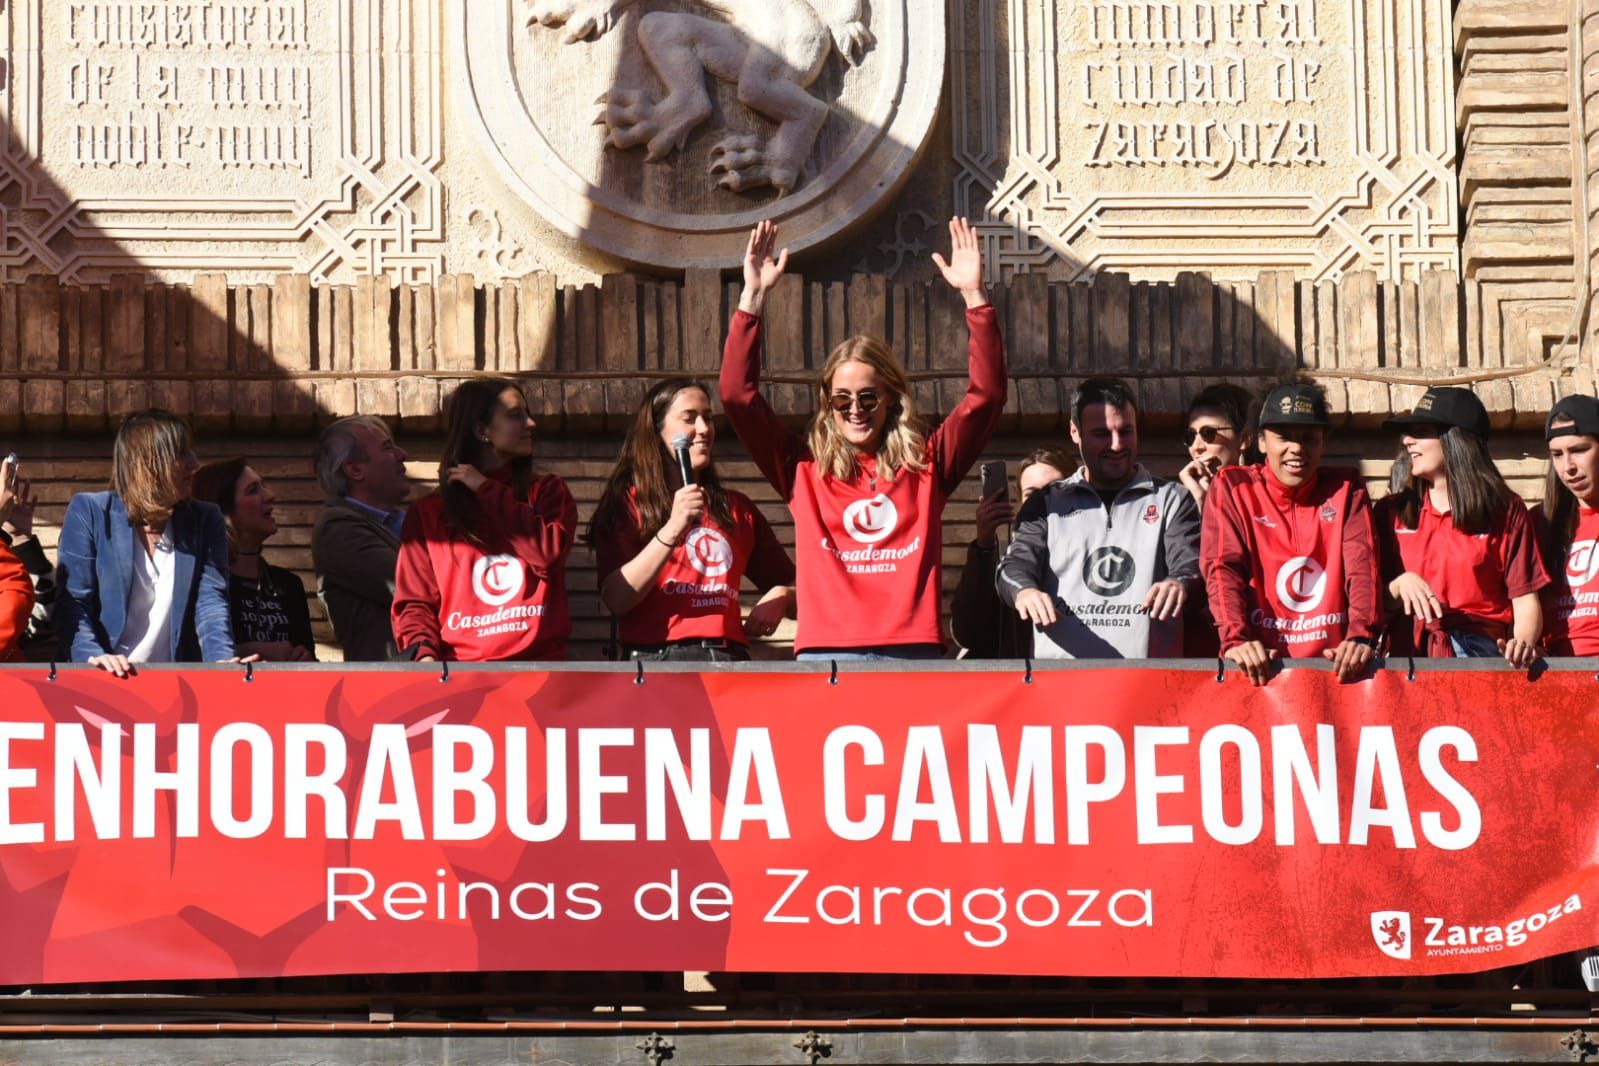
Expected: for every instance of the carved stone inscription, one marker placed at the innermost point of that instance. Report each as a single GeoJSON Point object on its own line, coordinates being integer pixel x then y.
{"type": "Point", "coordinates": [1152, 136]}
{"type": "Point", "coordinates": [248, 136]}
{"type": "Point", "coordinates": [215, 90]}
{"type": "Point", "coordinates": [1201, 84]}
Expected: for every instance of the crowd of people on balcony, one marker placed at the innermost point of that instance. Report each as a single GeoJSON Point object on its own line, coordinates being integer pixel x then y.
{"type": "Point", "coordinates": [1255, 552]}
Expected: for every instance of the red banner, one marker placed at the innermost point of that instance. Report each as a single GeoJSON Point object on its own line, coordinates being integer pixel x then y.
{"type": "Point", "coordinates": [1095, 822]}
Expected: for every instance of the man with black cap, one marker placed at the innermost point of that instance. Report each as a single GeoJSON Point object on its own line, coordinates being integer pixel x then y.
{"type": "Point", "coordinates": [1459, 553]}
{"type": "Point", "coordinates": [1571, 513]}
{"type": "Point", "coordinates": [1287, 550]}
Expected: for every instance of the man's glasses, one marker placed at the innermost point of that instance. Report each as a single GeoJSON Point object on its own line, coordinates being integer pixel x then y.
{"type": "Point", "coordinates": [866, 401]}
{"type": "Point", "coordinates": [1208, 434]}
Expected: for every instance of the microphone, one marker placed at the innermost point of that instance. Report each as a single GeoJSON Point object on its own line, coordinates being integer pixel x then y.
{"type": "Point", "coordinates": [680, 449]}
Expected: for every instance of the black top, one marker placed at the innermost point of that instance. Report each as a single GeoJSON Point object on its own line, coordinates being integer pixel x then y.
{"type": "Point", "coordinates": [270, 608]}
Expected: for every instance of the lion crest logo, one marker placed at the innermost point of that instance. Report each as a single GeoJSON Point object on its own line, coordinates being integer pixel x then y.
{"type": "Point", "coordinates": [1391, 931]}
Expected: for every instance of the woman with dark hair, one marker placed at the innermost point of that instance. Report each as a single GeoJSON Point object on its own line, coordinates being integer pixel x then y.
{"type": "Point", "coordinates": [1571, 521]}
{"type": "Point", "coordinates": [269, 613]}
{"type": "Point", "coordinates": [1221, 432]}
{"type": "Point", "coordinates": [1459, 553]}
{"type": "Point", "coordinates": [867, 484]}
{"type": "Point", "coordinates": [142, 570]}
{"type": "Point", "coordinates": [673, 555]}
{"type": "Point", "coordinates": [481, 574]}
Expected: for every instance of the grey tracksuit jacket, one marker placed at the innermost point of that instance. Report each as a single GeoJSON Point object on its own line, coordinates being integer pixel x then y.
{"type": "Point", "coordinates": [1098, 563]}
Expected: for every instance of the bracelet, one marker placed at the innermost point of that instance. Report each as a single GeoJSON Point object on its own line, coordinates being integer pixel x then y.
{"type": "Point", "coordinates": [668, 543]}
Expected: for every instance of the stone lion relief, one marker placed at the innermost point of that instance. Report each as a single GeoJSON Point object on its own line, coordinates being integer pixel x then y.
{"type": "Point", "coordinates": [712, 114]}
{"type": "Point", "coordinates": [772, 50]}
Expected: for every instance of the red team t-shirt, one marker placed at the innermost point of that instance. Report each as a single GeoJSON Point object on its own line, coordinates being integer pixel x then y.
{"type": "Point", "coordinates": [868, 550]}
{"type": "Point", "coordinates": [1571, 601]}
{"type": "Point", "coordinates": [1295, 569]}
{"type": "Point", "coordinates": [1475, 576]}
{"type": "Point", "coordinates": [696, 593]}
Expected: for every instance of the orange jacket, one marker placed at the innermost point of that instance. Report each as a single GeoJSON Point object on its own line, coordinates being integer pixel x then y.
{"type": "Point", "coordinates": [16, 604]}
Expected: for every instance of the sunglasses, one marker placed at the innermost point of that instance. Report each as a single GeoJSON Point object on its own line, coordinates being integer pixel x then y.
{"type": "Point", "coordinates": [866, 401]}
{"type": "Point", "coordinates": [1208, 434]}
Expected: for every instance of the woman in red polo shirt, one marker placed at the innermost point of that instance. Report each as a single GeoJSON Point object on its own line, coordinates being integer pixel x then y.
{"type": "Point", "coordinates": [1571, 516]}
{"type": "Point", "coordinates": [867, 486]}
{"type": "Point", "coordinates": [481, 575]}
{"type": "Point", "coordinates": [671, 555]}
{"type": "Point", "coordinates": [1459, 553]}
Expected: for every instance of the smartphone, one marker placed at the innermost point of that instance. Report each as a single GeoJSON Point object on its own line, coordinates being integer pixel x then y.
{"type": "Point", "coordinates": [995, 481]}
{"type": "Point", "coordinates": [11, 468]}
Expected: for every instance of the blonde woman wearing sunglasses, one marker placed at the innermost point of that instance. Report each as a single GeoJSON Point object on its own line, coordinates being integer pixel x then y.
{"type": "Point", "coordinates": [867, 484]}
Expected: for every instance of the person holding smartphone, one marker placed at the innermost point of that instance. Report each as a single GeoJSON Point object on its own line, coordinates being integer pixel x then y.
{"type": "Point", "coordinates": [979, 620]}
{"type": "Point", "coordinates": [868, 483]}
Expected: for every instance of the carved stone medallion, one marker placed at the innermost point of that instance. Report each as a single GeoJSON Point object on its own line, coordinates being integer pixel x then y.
{"type": "Point", "coordinates": [660, 132]}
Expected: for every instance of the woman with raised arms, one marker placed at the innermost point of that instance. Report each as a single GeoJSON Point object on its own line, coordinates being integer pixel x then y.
{"type": "Point", "coordinates": [867, 484]}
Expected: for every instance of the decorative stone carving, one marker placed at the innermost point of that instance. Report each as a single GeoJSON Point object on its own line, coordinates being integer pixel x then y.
{"type": "Point", "coordinates": [772, 52]}
{"type": "Point", "coordinates": [809, 111]}
{"type": "Point", "coordinates": [266, 136]}
{"type": "Point", "coordinates": [1151, 136]}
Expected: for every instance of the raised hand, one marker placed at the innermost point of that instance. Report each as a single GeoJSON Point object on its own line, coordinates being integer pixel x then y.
{"type": "Point", "coordinates": [964, 268]}
{"type": "Point", "coordinates": [763, 266]}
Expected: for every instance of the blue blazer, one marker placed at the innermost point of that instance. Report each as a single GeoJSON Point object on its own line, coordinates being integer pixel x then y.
{"type": "Point", "coordinates": [94, 576]}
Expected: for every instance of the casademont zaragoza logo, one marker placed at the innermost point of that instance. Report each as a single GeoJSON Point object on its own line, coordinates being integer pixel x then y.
{"type": "Point", "coordinates": [497, 579]}
{"type": "Point", "coordinates": [869, 521]}
{"type": "Point", "coordinates": [1391, 931]}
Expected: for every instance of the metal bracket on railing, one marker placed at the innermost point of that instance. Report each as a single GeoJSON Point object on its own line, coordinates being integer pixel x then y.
{"type": "Point", "coordinates": [656, 1048]}
{"type": "Point", "coordinates": [444, 671]}
{"type": "Point", "coordinates": [815, 1048]}
{"type": "Point", "coordinates": [52, 676]}
{"type": "Point", "coordinates": [832, 678]}
{"type": "Point", "coordinates": [1579, 1044]}
{"type": "Point", "coordinates": [1221, 669]}
{"type": "Point", "coordinates": [1027, 679]}
{"type": "Point", "coordinates": [1410, 669]}
{"type": "Point", "coordinates": [638, 678]}
{"type": "Point", "coordinates": [249, 672]}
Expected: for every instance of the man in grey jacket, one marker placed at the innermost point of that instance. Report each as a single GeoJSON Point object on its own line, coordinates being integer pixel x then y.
{"type": "Point", "coordinates": [1102, 562]}
{"type": "Point", "coordinates": [357, 536]}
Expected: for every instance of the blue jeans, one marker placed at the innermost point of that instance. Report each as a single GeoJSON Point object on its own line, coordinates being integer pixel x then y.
{"type": "Point", "coordinates": [873, 653]}
{"type": "Point", "coordinates": [1469, 645]}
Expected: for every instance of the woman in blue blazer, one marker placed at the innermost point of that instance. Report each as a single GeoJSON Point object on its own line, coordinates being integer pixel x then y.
{"type": "Point", "coordinates": [143, 569]}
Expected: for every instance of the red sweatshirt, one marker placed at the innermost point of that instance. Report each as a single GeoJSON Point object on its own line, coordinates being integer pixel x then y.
{"type": "Point", "coordinates": [16, 604]}
{"type": "Point", "coordinates": [696, 593]}
{"type": "Point", "coordinates": [868, 551]}
{"type": "Point", "coordinates": [1295, 569]}
{"type": "Point", "coordinates": [482, 604]}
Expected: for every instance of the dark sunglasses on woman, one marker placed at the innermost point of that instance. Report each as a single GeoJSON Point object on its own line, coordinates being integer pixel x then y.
{"type": "Point", "coordinates": [1208, 434]}
{"type": "Point", "coordinates": [865, 400]}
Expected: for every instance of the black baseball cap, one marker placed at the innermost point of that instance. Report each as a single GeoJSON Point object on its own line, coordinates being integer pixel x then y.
{"type": "Point", "coordinates": [1294, 405]}
{"type": "Point", "coordinates": [1582, 414]}
{"type": "Point", "coordinates": [1446, 406]}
